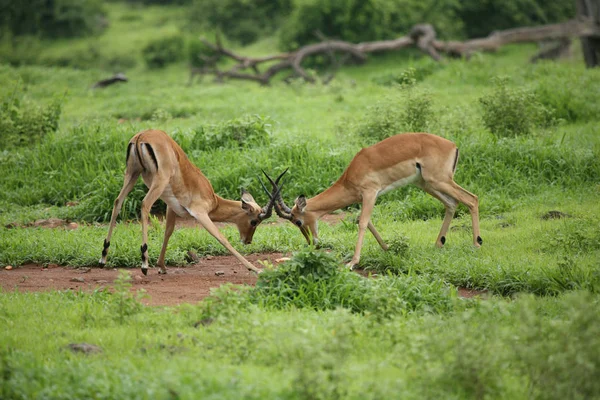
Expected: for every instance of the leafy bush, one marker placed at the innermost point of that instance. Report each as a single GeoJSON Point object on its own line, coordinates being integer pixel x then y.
{"type": "Point", "coordinates": [167, 50]}
{"type": "Point", "coordinates": [315, 279]}
{"type": "Point", "coordinates": [356, 21]}
{"type": "Point", "coordinates": [23, 123]}
{"type": "Point", "coordinates": [241, 20]}
{"type": "Point", "coordinates": [58, 18]}
{"type": "Point", "coordinates": [246, 131]}
{"type": "Point", "coordinates": [567, 362]}
{"type": "Point", "coordinates": [513, 112]}
{"type": "Point", "coordinates": [409, 111]}
{"type": "Point", "coordinates": [19, 50]}
{"type": "Point", "coordinates": [199, 54]}
{"type": "Point", "coordinates": [576, 98]}
{"type": "Point", "coordinates": [409, 76]}
{"type": "Point", "coordinates": [481, 17]}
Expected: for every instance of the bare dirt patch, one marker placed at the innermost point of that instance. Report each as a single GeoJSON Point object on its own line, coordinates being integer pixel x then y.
{"type": "Point", "coordinates": [188, 284]}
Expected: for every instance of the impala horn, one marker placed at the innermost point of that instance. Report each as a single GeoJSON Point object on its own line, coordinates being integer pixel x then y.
{"type": "Point", "coordinates": [267, 210]}
{"type": "Point", "coordinates": [280, 207]}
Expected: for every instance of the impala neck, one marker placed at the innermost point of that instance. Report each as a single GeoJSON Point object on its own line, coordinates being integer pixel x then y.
{"type": "Point", "coordinates": [334, 198]}
{"type": "Point", "coordinates": [226, 210]}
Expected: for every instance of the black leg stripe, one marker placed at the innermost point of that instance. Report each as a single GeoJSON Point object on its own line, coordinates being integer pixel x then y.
{"type": "Point", "coordinates": [144, 248]}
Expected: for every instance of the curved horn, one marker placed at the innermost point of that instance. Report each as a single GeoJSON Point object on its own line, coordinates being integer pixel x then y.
{"type": "Point", "coordinates": [267, 210]}
{"type": "Point", "coordinates": [280, 207]}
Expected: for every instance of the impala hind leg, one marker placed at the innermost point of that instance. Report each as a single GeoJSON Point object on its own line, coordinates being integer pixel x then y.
{"type": "Point", "coordinates": [453, 190]}
{"type": "Point", "coordinates": [130, 180]}
{"type": "Point", "coordinates": [169, 228]}
{"type": "Point", "coordinates": [156, 189]}
{"type": "Point", "coordinates": [368, 204]}
{"type": "Point", "coordinates": [210, 226]}
{"type": "Point", "coordinates": [450, 203]}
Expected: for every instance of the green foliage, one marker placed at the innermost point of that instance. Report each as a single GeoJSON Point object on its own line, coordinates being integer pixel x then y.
{"type": "Point", "coordinates": [575, 98]}
{"type": "Point", "coordinates": [23, 123]}
{"type": "Point", "coordinates": [125, 303]}
{"type": "Point", "coordinates": [513, 112]}
{"type": "Point", "coordinates": [409, 76]}
{"type": "Point", "coordinates": [566, 361]}
{"type": "Point", "coordinates": [242, 21]}
{"type": "Point", "coordinates": [358, 21]}
{"type": "Point", "coordinates": [164, 51]}
{"type": "Point", "coordinates": [200, 55]}
{"type": "Point", "coordinates": [408, 110]}
{"type": "Point", "coordinates": [246, 131]}
{"type": "Point", "coordinates": [316, 280]}
{"type": "Point", "coordinates": [58, 18]}
{"type": "Point", "coordinates": [482, 17]}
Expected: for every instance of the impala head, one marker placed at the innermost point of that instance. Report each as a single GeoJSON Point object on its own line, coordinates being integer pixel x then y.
{"type": "Point", "coordinates": [252, 217]}
{"type": "Point", "coordinates": [298, 215]}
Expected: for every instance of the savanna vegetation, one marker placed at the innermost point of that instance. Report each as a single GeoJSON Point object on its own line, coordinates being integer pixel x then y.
{"type": "Point", "coordinates": [529, 144]}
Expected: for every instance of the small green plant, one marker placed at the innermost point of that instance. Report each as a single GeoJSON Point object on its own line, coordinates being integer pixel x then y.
{"type": "Point", "coordinates": [315, 279]}
{"type": "Point", "coordinates": [167, 50]}
{"type": "Point", "coordinates": [512, 112]}
{"type": "Point", "coordinates": [23, 123]}
{"type": "Point", "coordinates": [124, 302]}
{"type": "Point", "coordinates": [410, 110]}
{"type": "Point", "coordinates": [246, 131]}
{"type": "Point", "coordinates": [409, 76]}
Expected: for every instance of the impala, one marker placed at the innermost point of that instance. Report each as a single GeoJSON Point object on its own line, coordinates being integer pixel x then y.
{"type": "Point", "coordinates": [421, 159]}
{"type": "Point", "coordinates": [170, 176]}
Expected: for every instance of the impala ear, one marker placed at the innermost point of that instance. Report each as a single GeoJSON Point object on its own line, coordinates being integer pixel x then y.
{"type": "Point", "coordinates": [301, 203]}
{"type": "Point", "coordinates": [247, 197]}
{"type": "Point", "coordinates": [246, 200]}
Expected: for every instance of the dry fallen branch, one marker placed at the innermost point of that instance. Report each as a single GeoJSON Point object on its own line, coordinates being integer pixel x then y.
{"type": "Point", "coordinates": [422, 36]}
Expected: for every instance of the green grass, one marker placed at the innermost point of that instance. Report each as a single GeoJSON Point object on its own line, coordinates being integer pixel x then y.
{"type": "Point", "coordinates": [322, 332]}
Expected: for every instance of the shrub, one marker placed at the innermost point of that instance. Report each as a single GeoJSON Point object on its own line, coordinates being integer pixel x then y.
{"type": "Point", "coordinates": [58, 18]}
{"type": "Point", "coordinates": [480, 18]}
{"type": "Point", "coordinates": [315, 279]}
{"type": "Point", "coordinates": [200, 55]}
{"type": "Point", "coordinates": [19, 50]}
{"type": "Point", "coordinates": [23, 123]}
{"type": "Point", "coordinates": [513, 112]}
{"type": "Point", "coordinates": [576, 98]}
{"type": "Point", "coordinates": [356, 21]}
{"type": "Point", "coordinates": [240, 20]}
{"type": "Point", "coordinates": [409, 111]}
{"type": "Point", "coordinates": [246, 131]}
{"type": "Point", "coordinates": [409, 76]}
{"type": "Point", "coordinates": [167, 50]}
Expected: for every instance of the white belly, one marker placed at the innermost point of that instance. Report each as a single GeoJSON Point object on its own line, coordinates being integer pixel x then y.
{"type": "Point", "coordinates": [399, 183]}
{"type": "Point", "coordinates": [173, 203]}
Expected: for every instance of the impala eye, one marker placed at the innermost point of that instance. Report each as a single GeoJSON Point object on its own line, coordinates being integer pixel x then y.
{"type": "Point", "coordinates": [254, 222]}
{"type": "Point", "coordinates": [299, 223]}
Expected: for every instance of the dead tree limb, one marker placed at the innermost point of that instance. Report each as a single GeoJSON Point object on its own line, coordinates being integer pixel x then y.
{"type": "Point", "coordinates": [422, 36]}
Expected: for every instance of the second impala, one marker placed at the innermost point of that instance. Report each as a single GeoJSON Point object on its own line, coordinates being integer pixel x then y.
{"type": "Point", "coordinates": [170, 176]}
{"type": "Point", "coordinates": [422, 159]}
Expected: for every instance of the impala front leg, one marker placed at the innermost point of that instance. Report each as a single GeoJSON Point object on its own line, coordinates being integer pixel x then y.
{"type": "Point", "coordinates": [377, 236]}
{"type": "Point", "coordinates": [213, 230]}
{"type": "Point", "coordinates": [365, 216]}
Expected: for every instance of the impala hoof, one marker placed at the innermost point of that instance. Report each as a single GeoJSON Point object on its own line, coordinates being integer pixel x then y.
{"type": "Point", "coordinates": [145, 271]}
{"type": "Point", "coordinates": [162, 271]}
